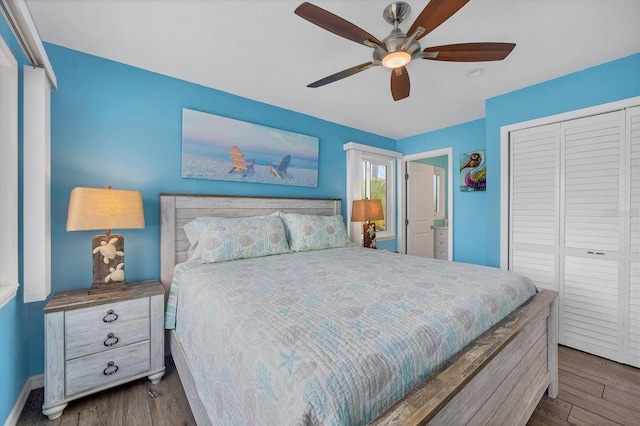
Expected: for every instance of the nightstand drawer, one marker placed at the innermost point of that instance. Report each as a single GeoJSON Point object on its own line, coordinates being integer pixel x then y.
{"type": "Point", "coordinates": [441, 243]}
{"type": "Point", "coordinates": [116, 336]}
{"type": "Point", "coordinates": [441, 253]}
{"type": "Point", "coordinates": [103, 317]}
{"type": "Point", "coordinates": [94, 371]}
{"type": "Point", "coordinates": [441, 233]}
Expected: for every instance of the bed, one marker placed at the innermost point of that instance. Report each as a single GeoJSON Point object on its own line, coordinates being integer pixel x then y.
{"type": "Point", "coordinates": [497, 377]}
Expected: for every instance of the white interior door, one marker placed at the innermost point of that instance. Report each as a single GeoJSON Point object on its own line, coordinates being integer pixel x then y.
{"type": "Point", "coordinates": [534, 203]}
{"type": "Point", "coordinates": [419, 209]}
{"type": "Point", "coordinates": [592, 228]}
{"type": "Point", "coordinates": [574, 197]}
{"type": "Point", "coordinates": [632, 215]}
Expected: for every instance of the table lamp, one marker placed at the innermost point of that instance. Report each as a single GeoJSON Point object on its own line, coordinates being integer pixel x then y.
{"type": "Point", "coordinates": [366, 211]}
{"type": "Point", "coordinates": [105, 208]}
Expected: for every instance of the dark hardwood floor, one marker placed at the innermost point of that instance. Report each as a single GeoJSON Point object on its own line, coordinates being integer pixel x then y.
{"type": "Point", "coordinates": [133, 404]}
{"type": "Point", "coordinates": [593, 391]}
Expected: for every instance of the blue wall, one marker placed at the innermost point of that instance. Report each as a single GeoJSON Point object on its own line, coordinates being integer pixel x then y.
{"type": "Point", "coordinates": [14, 368]}
{"type": "Point", "coordinates": [469, 208]}
{"type": "Point", "coordinates": [113, 124]}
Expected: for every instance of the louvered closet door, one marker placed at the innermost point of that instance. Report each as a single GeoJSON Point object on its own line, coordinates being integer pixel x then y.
{"type": "Point", "coordinates": [591, 318]}
{"type": "Point", "coordinates": [633, 216]}
{"type": "Point", "coordinates": [533, 203]}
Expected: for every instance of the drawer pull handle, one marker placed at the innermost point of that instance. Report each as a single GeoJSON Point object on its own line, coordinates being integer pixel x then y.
{"type": "Point", "coordinates": [110, 317]}
{"type": "Point", "coordinates": [111, 340]}
{"type": "Point", "coordinates": [111, 369]}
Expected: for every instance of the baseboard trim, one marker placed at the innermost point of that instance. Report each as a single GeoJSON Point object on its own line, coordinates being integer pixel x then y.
{"type": "Point", "coordinates": [33, 382]}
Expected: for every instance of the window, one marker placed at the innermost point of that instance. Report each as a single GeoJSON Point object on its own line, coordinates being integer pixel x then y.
{"type": "Point", "coordinates": [373, 184]}
{"type": "Point", "coordinates": [371, 174]}
{"type": "Point", "coordinates": [438, 193]}
{"type": "Point", "coordinates": [8, 174]}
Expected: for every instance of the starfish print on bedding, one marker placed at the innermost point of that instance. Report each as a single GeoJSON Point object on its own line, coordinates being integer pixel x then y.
{"type": "Point", "coordinates": [289, 360]}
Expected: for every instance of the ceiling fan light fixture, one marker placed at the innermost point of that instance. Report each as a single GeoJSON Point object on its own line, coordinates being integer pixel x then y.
{"type": "Point", "coordinates": [396, 59]}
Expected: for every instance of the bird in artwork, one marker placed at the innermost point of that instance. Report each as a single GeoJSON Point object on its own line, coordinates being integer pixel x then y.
{"type": "Point", "coordinates": [476, 174]}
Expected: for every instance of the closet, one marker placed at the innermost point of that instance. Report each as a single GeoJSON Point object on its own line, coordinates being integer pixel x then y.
{"type": "Point", "coordinates": [574, 225]}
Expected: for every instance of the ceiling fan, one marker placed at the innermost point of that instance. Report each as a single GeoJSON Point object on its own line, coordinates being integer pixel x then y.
{"type": "Point", "coordinates": [398, 49]}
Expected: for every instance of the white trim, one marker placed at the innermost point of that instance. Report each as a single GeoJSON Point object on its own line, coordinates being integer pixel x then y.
{"type": "Point", "coordinates": [24, 29]}
{"type": "Point", "coordinates": [355, 153]}
{"type": "Point", "coordinates": [402, 195]}
{"type": "Point", "coordinates": [33, 382]}
{"type": "Point", "coordinates": [504, 158]}
{"type": "Point", "coordinates": [7, 292]}
{"type": "Point", "coordinates": [8, 174]}
{"type": "Point", "coordinates": [371, 149]}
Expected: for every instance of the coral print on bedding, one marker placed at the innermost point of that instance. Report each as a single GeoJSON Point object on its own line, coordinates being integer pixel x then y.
{"type": "Point", "coordinates": [329, 337]}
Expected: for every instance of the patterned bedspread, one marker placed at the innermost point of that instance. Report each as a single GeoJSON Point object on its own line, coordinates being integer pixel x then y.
{"type": "Point", "coordinates": [328, 337]}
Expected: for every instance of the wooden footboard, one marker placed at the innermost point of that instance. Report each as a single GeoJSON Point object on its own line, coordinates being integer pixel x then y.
{"type": "Point", "coordinates": [497, 379]}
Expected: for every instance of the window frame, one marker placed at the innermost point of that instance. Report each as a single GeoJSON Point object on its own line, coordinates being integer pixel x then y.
{"type": "Point", "coordinates": [356, 153]}
{"type": "Point", "coordinates": [8, 174]}
{"type": "Point", "coordinates": [390, 172]}
{"type": "Point", "coordinates": [440, 214]}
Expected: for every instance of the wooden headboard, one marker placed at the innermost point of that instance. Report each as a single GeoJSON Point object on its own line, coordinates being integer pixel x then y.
{"type": "Point", "coordinates": [178, 209]}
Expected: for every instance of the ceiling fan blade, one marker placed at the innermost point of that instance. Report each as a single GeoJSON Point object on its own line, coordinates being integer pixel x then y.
{"type": "Point", "coordinates": [335, 24]}
{"type": "Point", "coordinates": [400, 83]}
{"type": "Point", "coordinates": [434, 14]}
{"type": "Point", "coordinates": [470, 52]}
{"type": "Point", "coordinates": [340, 75]}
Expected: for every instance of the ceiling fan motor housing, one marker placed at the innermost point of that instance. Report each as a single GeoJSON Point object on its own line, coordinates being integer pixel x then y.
{"type": "Point", "coordinates": [396, 12]}
{"type": "Point", "coordinates": [394, 42]}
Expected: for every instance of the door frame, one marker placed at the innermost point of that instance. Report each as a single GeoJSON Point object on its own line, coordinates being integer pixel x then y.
{"type": "Point", "coordinates": [402, 195]}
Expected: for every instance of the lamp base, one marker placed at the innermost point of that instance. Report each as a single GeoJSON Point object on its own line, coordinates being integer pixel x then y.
{"type": "Point", "coordinates": [369, 234]}
{"type": "Point", "coordinates": [108, 263]}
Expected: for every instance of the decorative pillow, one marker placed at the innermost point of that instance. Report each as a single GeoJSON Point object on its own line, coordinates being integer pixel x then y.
{"type": "Point", "coordinates": [311, 232]}
{"type": "Point", "coordinates": [195, 250]}
{"type": "Point", "coordinates": [222, 239]}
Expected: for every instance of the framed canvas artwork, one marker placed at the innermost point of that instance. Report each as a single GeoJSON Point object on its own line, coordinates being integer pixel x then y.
{"type": "Point", "coordinates": [473, 172]}
{"type": "Point", "coordinates": [221, 148]}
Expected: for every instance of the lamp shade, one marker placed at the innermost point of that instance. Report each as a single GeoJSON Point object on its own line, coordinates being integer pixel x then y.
{"type": "Point", "coordinates": [366, 210]}
{"type": "Point", "coordinates": [104, 208]}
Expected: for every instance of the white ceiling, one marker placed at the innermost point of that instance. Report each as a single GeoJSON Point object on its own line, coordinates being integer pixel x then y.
{"type": "Point", "coordinates": [261, 50]}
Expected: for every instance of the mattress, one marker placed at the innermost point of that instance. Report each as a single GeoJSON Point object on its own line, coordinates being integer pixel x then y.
{"type": "Point", "coordinates": [328, 337]}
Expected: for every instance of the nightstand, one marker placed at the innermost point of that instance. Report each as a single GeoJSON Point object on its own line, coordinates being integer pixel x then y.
{"type": "Point", "coordinates": [98, 341]}
{"type": "Point", "coordinates": [441, 243]}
